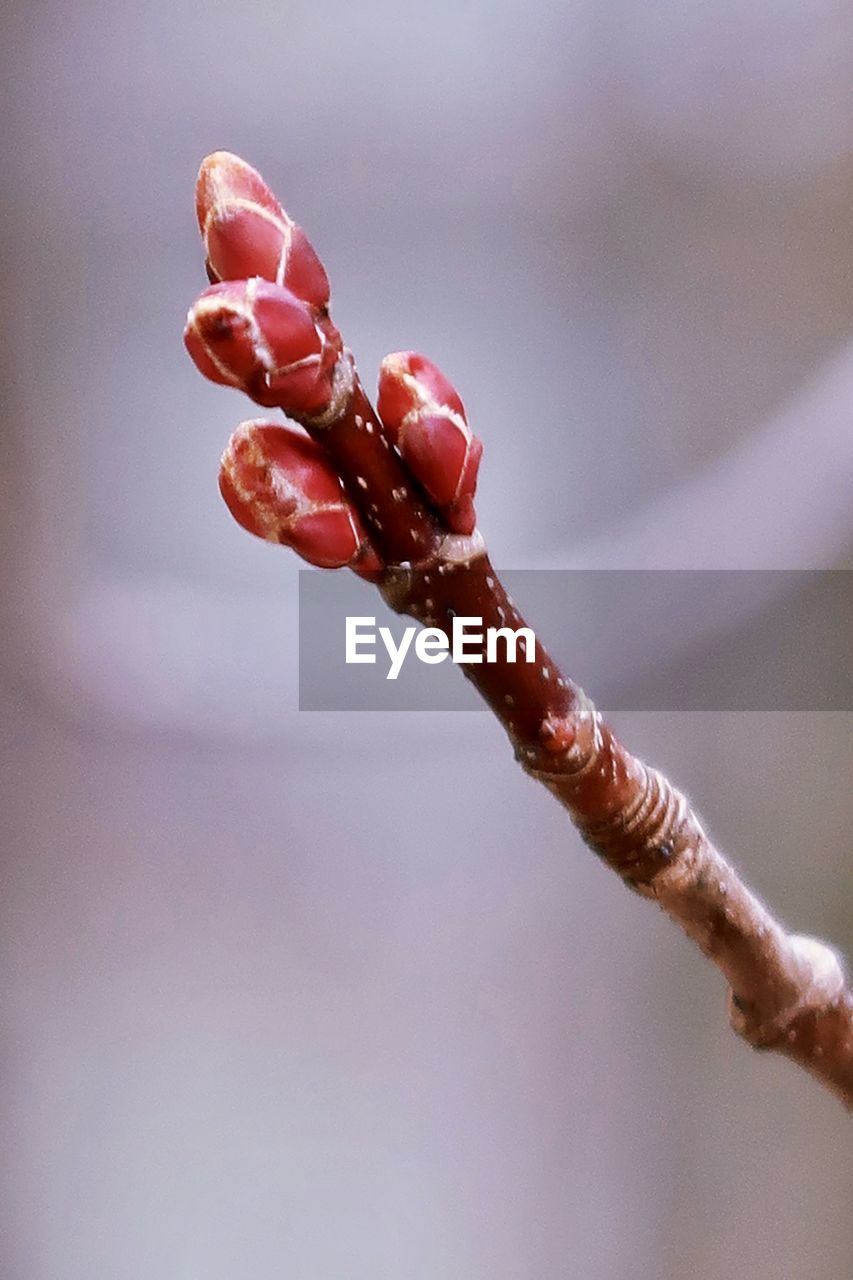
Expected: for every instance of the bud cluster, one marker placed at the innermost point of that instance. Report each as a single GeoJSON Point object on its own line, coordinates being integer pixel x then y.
{"type": "Point", "coordinates": [263, 327]}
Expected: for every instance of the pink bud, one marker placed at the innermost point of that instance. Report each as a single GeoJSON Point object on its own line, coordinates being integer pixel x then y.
{"type": "Point", "coordinates": [261, 338]}
{"type": "Point", "coordinates": [426, 420]}
{"type": "Point", "coordinates": [247, 233]}
{"type": "Point", "coordinates": [278, 484]}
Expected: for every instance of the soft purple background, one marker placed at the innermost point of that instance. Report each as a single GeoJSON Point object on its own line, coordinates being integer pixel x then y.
{"type": "Point", "coordinates": [343, 996]}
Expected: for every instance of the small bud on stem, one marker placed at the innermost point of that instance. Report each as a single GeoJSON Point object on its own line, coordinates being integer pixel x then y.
{"type": "Point", "coordinates": [426, 420]}
{"type": "Point", "coordinates": [264, 340]}
{"type": "Point", "coordinates": [278, 484]}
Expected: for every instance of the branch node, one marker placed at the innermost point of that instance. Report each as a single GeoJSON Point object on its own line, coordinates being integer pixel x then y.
{"type": "Point", "coordinates": [343, 384]}
{"type": "Point", "coordinates": [820, 985]}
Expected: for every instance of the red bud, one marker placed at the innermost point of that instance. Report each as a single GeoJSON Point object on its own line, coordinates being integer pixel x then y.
{"type": "Point", "coordinates": [278, 484]}
{"type": "Point", "coordinates": [261, 338]}
{"type": "Point", "coordinates": [247, 233]}
{"type": "Point", "coordinates": [426, 420]}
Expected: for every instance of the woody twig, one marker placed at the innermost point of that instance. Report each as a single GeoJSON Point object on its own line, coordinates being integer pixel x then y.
{"type": "Point", "coordinates": [390, 495]}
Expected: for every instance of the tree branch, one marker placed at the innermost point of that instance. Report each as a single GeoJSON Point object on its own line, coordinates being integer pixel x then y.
{"type": "Point", "coordinates": [392, 498]}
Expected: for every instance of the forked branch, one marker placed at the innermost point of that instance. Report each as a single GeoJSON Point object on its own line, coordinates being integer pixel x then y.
{"type": "Point", "coordinates": [390, 495]}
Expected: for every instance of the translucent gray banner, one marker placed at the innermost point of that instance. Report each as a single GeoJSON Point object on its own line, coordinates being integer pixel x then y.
{"type": "Point", "coordinates": [672, 640]}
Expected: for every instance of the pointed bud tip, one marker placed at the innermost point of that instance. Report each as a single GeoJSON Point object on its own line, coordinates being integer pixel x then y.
{"type": "Point", "coordinates": [224, 176]}
{"type": "Point", "coordinates": [219, 159]}
{"type": "Point", "coordinates": [246, 231]}
{"type": "Point", "coordinates": [216, 162]}
{"type": "Point", "coordinates": [420, 379]}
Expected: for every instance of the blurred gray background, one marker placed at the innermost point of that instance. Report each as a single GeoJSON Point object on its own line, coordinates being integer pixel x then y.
{"type": "Point", "coordinates": [342, 997]}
